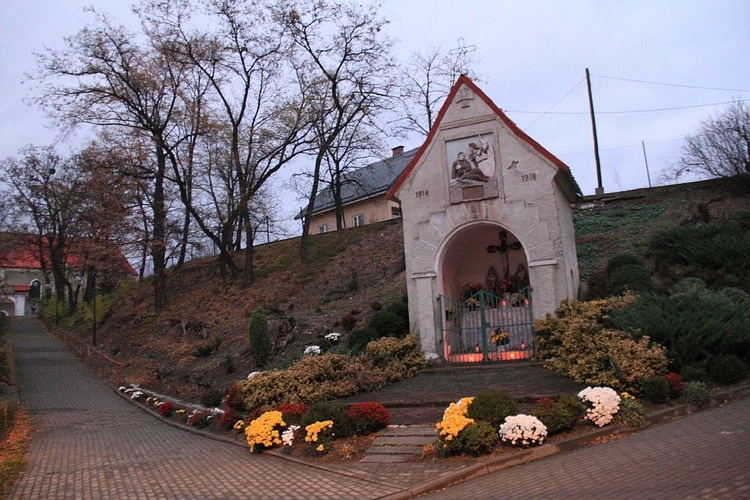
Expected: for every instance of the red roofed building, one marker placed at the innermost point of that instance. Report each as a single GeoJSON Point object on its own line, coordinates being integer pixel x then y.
{"type": "Point", "coordinates": [22, 275]}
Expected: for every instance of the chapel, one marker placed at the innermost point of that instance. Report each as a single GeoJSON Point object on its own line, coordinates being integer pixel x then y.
{"type": "Point", "coordinates": [488, 233]}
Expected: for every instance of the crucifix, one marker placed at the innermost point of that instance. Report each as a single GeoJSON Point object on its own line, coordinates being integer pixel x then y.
{"type": "Point", "coordinates": [503, 248]}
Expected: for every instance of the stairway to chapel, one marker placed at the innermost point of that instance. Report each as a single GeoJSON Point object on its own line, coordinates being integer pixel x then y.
{"type": "Point", "coordinates": [399, 444]}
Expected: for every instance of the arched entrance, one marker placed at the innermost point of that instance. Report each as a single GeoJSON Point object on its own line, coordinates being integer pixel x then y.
{"type": "Point", "coordinates": [486, 302]}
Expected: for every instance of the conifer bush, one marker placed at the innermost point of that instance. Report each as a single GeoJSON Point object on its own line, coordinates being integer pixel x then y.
{"type": "Point", "coordinates": [557, 417]}
{"type": "Point", "coordinates": [655, 389]}
{"type": "Point", "coordinates": [726, 369]}
{"type": "Point", "coordinates": [492, 406]}
{"type": "Point", "coordinates": [692, 322]}
{"type": "Point", "coordinates": [695, 393]}
{"type": "Point", "coordinates": [260, 338]}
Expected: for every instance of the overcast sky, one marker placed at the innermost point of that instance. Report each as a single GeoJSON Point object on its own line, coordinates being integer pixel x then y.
{"type": "Point", "coordinates": [658, 68]}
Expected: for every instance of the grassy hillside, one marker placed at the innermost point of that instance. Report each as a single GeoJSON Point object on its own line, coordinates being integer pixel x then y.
{"type": "Point", "coordinates": [199, 343]}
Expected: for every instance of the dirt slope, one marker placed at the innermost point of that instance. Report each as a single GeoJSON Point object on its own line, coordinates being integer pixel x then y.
{"type": "Point", "coordinates": [199, 343]}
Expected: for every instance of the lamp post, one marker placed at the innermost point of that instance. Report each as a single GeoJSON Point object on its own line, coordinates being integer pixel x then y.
{"type": "Point", "coordinates": [93, 286]}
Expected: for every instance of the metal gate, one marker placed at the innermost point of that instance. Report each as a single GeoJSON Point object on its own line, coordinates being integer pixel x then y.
{"type": "Point", "coordinates": [487, 327]}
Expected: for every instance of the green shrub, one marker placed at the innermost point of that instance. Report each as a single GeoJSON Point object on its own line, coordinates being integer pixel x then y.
{"type": "Point", "coordinates": [692, 373]}
{"type": "Point", "coordinates": [492, 406]}
{"type": "Point", "coordinates": [574, 405]}
{"type": "Point", "coordinates": [579, 343]}
{"type": "Point", "coordinates": [386, 324]}
{"type": "Point", "coordinates": [397, 358]}
{"type": "Point", "coordinates": [343, 424]}
{"type": "Point", "coordinates": [478, 438]}
{"type": "Point", "coordinates": [695, 393]}
{"type": "Point", "coordinates": [655, 389]}
{"type": "Point", "coordinates": [369, 417]}
{"type": "Point", "coordinates": [228, 362]}
{"type": "Point", "coordinates": [555, 416]}
{"type": "Point", "coordinates": [260, 338]}
{"type": "Point", "coordinates": [692, 322]}
{"type": "Point", "coordinates": [623, 260]}
{"type": "Point", "coordinates": [360, 337]}
{"type": "Point", "coordinates": [714, 252]}
{"type": "Point", "coordinates": [212, 398]}
{"type": "Point", "coordinates": [633, 277]}
{"type": "Point", "coordinates": [631, 413]}
{"type": "Point", "coordinates": [726, 369]}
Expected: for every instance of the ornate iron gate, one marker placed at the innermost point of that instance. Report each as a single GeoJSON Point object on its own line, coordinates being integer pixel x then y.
{"type": "Point", "coordinates": [486, 327]}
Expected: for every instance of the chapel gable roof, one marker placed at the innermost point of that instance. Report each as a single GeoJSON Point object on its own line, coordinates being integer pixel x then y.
{"type": "Point", "coordinates": [566, 177]}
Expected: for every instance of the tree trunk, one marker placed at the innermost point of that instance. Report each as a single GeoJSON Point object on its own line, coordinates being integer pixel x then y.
{"type": "Point", "coordinates": [158, 244]}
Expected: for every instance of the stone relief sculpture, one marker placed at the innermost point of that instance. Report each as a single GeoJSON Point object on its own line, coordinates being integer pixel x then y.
{"type": "Point", "coordinates": [473, 161]}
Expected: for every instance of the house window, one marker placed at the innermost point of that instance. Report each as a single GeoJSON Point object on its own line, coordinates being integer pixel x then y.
{"type": "Point", "coordinates": [323, 228]}
{"type": "Point", "coordinates": [359, 220]}
{"type": "Point", "coordinates": [395, 213]}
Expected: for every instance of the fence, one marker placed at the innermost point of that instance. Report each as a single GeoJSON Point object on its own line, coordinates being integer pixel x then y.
{"type": "Point", "coordinates": [99, 362]}
{"type": "Point", "coordinates": [486, 327]}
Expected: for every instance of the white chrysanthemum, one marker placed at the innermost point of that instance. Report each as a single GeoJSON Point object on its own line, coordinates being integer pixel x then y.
{"type": "Point", "coordinates": [602, 402]}
{"type": "Point", "coordinates": [523, 429]}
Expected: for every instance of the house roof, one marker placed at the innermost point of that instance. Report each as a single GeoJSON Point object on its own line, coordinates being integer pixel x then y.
{"type": "Point", "coordinates": [23, 253]}
{"type": "Point", "coordinates": [363, 183]}
{"type": "Point", "coordinates": [566, 175]}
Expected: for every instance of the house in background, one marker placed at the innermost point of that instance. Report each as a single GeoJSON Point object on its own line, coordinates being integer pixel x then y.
{"type": "Point", "coordinates": [363, 195]}
{"type": "Point", "coordinates": [23, 280]}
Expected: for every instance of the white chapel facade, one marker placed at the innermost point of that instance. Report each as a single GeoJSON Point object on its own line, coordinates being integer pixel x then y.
{"type": "Point", "coordinates": [485, 208]}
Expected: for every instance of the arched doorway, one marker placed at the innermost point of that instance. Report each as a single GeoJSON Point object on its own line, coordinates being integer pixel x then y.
{"type": "Point", "coordinates": [486, 302]}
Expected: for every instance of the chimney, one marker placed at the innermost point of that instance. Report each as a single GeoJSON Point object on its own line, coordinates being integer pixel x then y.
{"type": "Point", "coordinates": [397, 150]}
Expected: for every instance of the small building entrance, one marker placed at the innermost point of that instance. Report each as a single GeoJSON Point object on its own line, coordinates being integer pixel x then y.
{"type": "Point", "coordinates": [487, 328]}
{"type": "Point", "coordinates": [487, 301]}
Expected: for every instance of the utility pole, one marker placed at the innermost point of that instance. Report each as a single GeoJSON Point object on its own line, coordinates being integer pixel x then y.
{"type": "Point", "coordinates": [645, 159]}
{"type": "Point", "coordinates": [599, 188]}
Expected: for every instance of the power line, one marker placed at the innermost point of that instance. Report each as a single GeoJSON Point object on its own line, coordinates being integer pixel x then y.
{"type": "Point", "coordinates": [654, 110]}
{"type": "Point", "coordinates": [672, 84]}
{"type": "Point", "coordinates": [556, 103]}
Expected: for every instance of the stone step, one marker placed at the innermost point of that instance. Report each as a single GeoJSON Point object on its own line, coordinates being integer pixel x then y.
{"type": "Point", "coordinates": [400, 443]}
{"type": "Point", "coordinates": [403, 440]}
{"type": "Point", "coordinates": [409, 430]}
{"type": "Point", "coordinates": [384, 459]}
{"type": "Point", "coordinates": [395, 450]}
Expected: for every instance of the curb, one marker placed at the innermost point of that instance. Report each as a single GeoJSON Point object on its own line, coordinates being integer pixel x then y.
{"type": "Point", "coordinates": [485, 467]}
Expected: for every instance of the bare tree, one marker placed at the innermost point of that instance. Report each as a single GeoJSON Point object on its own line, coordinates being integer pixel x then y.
{"type": "Point", "coordinates": [426, 80]}
{"type": "Point", "coordinates": [106, 79]}
{"type": "Point", "coordinates": [344, 61]}
{"type": "Point", "coordinates": [721, 148]}
{"type": "Point", "coordinates": [43, 193]}
{"type": "Point", "coordinates": [242, 60]}
{"type": "Point", "coordinates": [77, 211]}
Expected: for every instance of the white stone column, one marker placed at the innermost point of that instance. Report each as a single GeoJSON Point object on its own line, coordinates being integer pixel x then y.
{"type": "Point", "coordinates": [426, 307]}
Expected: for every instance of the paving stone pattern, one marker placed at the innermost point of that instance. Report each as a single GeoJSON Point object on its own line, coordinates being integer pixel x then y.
{"type": "Point", "coordinates": [704, 455]}
{"type": "Point", "coordinates": [92, 443]}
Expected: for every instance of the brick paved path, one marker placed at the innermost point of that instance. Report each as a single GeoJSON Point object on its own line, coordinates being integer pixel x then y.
{"type": "Point", "coordinates": [91, 443]}
{"type": "Point", "coordinates": [703, 455]}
